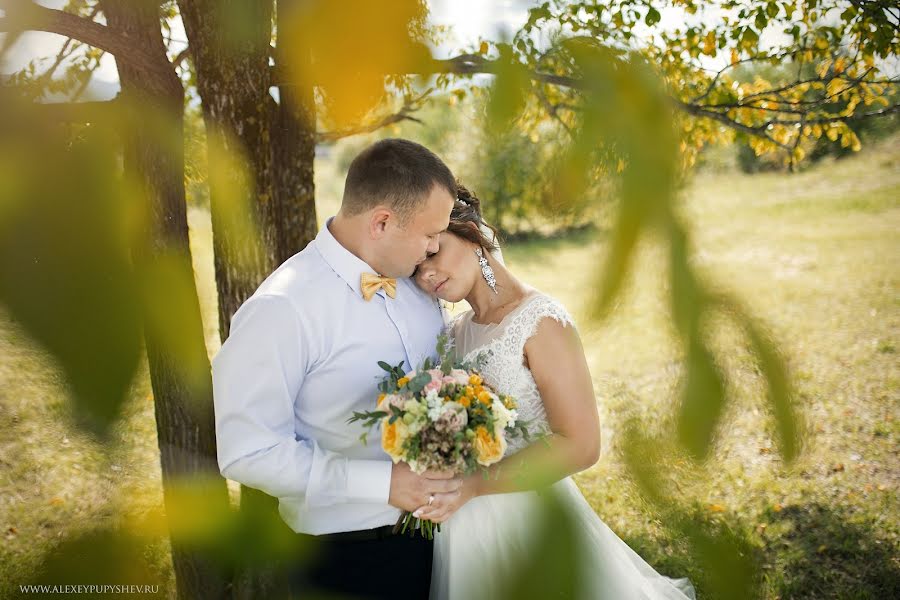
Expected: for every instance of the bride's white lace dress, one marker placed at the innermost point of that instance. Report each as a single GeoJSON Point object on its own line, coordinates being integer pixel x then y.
{"type": "Point", "coordinates": [478, 547]}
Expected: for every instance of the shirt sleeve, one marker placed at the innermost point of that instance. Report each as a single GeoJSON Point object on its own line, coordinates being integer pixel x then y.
{"type": "Point", "coordinates": [257, 375]}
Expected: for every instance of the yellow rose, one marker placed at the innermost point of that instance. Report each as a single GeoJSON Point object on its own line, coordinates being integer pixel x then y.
{"type": "Point", "coordinates": [475, 380]}
{"type": "Point", "coordinates": [393, 435]}
{"type": "Point", "coordinates": [381, 398]}
{"type": "Point", "coordinates": [485, 397]}
{"type": "Point", "coordinates": [402, 381]}
{"type": "Point", "coordinates": [465, 401]}
{"type": "Point", "coordinates": [488, 449]}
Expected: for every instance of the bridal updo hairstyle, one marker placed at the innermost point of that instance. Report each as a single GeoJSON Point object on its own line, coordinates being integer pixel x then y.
{"type": "Point", "coordinates": [396, 172]}
{"type": "Point", "coordinates": [466, 220]}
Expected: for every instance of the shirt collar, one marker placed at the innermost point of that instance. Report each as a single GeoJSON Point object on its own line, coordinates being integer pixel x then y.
{"type": "Point", "coordinates": [347, 265]}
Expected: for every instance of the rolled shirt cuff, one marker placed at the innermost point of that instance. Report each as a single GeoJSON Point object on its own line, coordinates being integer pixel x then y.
{"type": "Point", "coordinates": [369, 481]}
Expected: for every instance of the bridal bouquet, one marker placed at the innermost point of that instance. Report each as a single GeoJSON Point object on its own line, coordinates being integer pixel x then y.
{"type": "Point", "coordinates": [441, 417]}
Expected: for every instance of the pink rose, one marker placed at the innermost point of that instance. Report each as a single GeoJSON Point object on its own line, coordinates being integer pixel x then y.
{"type": "Point", "coordinates": [391, 400]}
{"type": "Point", "coordinates": [460, 376]}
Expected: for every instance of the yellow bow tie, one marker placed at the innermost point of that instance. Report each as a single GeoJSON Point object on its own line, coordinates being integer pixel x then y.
{"type": "Point", "coordinates": [371, 283]}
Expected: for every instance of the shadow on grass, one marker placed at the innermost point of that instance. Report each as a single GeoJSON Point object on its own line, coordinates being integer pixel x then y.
{"type": "Point", "coordinates": [831, 554]}
{"type": "Point", "coordinates": [524, 249]}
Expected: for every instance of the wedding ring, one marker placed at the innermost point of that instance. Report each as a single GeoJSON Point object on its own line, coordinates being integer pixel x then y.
{"type": "Point", "coordinates": [430, 499]}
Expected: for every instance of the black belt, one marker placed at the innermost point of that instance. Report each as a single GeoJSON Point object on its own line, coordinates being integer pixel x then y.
{"type": "Point", "coordinates": [379, 533]}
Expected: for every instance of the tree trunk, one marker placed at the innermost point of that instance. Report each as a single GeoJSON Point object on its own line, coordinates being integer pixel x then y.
{"type": "Point", "coordinates": [230, 48]}
{"type": "Point", "coordinates": [278, 142]}
{"type": "Point", "coordinates": [184, 413]}
{"type": "Point", "coordinates": [294, 154]}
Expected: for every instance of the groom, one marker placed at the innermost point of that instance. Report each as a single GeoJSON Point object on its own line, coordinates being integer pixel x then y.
{"type": "Point", "coordinates": [302, 356]}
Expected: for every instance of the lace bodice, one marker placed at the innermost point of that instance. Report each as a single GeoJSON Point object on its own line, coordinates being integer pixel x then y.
{"type": "Point", "coordinates": [504, 368]}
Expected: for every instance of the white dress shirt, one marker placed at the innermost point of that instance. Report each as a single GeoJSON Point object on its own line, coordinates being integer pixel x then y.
{"type": "Point", "coordinates": [301, 357]}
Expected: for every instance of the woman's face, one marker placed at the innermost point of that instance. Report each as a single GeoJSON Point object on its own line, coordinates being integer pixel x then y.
{"type": "Point", "coordinates": [450, 273]}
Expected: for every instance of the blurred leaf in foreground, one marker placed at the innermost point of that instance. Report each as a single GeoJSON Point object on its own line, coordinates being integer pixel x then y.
{"type": "Point", "coordinates": [65, 235]}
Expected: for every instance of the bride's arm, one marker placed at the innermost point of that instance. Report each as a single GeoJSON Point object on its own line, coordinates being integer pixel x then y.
{"type": "Point", "coordinates": [557, 362]}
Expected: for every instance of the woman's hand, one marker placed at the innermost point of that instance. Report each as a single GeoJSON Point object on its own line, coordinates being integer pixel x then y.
{"type": "Point", "coordinates": [445, 504]}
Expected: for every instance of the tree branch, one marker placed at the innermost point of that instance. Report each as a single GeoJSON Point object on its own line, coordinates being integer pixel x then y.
{"type": "Point", "coordinates": [403, 114]}
{"type": "Point", "coordinates": [75, 112]}
{"type": "Point", "coordinates": [23, 15]}
{"type": "Point", "coordinates": [464, 64]}
{"type": "Point", "coordinates": [332, 136]}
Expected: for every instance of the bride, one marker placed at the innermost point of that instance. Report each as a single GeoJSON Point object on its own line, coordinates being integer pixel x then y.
{"type": "Point", "coordinates": [537, 358]}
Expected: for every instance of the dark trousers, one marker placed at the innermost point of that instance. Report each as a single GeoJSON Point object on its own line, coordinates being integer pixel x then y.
{"type": "Point", "coordinates": [395, 567]}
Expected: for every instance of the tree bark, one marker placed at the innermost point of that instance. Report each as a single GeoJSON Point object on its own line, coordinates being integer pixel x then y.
{"type": "Point", "coordinates": [230, 49]}
{"type": "Point", "coordinates": [278, 142]}
{"type": "Point", "coordinates": [294, 155]}
{"type": "Point", "coordinates": [184, 414]}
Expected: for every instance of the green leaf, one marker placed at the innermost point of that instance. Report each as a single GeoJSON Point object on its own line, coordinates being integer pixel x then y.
{"type": "Point", "coordinates": [418, 382]}
{"type": "Point", "coordinates": [67, 229]}
{"type": "Point", "coordinates": [507, 94]}
{"type": "Point", "coordinates": [703, 400]}
{"type": "Point", "coordinates": [779, 390]}
{"type": "Point", "coordinates": [761, 20]}
{"type": "Point", "coordinates": [653, 17]}
{"type": "Point", "coordinates": [551, 566]}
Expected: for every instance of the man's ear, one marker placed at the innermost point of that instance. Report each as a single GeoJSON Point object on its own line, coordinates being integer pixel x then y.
{"type": "Point", "coordinates": [378, 221]}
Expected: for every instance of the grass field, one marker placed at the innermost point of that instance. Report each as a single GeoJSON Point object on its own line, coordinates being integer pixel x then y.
{"type": "Point", "coordinates": [814, 255]}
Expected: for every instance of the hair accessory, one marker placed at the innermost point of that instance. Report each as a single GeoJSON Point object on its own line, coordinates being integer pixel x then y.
{"type": "Point", "coordinates": [486, 271]}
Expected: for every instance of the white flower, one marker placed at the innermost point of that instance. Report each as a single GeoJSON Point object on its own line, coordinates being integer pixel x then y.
{"type": "Point", "coordinates": [435, 404]}
{"type": "Point", "coordinates": [501, 414]}
{"type": "Point", "coordinates": [414, 406]}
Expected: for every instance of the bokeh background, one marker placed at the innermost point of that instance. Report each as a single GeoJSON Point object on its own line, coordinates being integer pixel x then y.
{"type": "Point", "coordinates": [740, 323]}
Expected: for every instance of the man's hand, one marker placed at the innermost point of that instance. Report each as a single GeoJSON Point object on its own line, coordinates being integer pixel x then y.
{"type": "Point", "coordinates": [410, 491]}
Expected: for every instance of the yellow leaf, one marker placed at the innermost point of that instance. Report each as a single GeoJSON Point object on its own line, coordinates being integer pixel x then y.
{"type": "Point", "coordinates": [835, 87]}
{"type": "Point", "coordinates": [709, 44]}
{"type": "Point", "coordinates": [717, 508]}
{"type": "Point", "coordinates": [735, 57]}
{"type": "Point", "coordinates": [353, 50]}
{"type": "Point", "coordinates": [483, 48]}
{"type": "Point", "coordinates": [840, 64]}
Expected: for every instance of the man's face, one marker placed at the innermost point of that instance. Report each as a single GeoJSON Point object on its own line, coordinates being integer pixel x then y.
{"type": "Point", "coordinates": [404, 247]}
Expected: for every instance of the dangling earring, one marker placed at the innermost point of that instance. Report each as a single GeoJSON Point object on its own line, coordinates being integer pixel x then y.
{"type": "Point", "coordinates": [486, 271]}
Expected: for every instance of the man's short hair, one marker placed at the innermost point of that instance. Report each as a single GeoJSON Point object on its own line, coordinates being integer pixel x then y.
{"type": "Point", "coordinates": [395, 172]}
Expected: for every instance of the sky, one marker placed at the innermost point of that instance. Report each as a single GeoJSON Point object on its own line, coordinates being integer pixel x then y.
{"type": "Point", "coordinates": [470, 20]}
